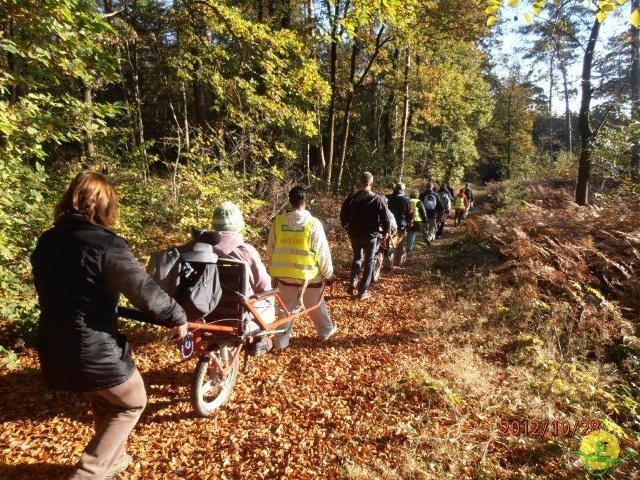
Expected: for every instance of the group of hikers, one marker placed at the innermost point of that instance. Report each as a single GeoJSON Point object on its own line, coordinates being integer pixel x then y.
{"type": "Point", "coordinates": [393, 223]}
{"type": "Point", "coordinates": [80, 268]}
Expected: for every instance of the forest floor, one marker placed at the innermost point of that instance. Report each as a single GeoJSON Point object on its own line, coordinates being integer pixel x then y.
{"type": "Point", "coordinates": [422, 381]}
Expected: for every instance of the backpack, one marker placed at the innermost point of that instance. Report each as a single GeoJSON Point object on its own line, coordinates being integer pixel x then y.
{"type": "Point", "coordinates": [446, 201]}
{"type": "Point", "coordinates": [189, 274]}
{"type": "Point", "coordinates": [399, 206]}
{"type": "Point", "coordinates": [430, 201]}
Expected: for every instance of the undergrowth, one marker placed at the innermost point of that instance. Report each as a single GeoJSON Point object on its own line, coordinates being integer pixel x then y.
{"type": "Point", "coordinates": [534, 315]}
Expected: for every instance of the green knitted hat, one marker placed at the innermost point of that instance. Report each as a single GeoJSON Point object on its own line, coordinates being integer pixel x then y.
{"type": "Point", "coordinates": [228, 217]}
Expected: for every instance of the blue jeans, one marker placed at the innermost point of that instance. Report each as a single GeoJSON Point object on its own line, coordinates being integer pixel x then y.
{"type": "Point", "coordinates": [412, 234]}
{"type": "Point", "coordinates": [363, 252]}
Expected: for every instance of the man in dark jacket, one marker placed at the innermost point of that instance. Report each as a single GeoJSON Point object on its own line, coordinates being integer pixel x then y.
{"type": "Point", "coordinates": [364, 215]}
{"type": "Point", "coordinates": [400, 206]}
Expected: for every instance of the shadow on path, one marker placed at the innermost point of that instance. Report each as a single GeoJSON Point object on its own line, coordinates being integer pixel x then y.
{"type": "Point", "coordinates": [35, 471]}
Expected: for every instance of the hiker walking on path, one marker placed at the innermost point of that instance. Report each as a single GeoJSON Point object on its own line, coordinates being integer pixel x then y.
{"type": "Point", "coordinates": [300, 260]}
{"type": "Point", "coordinates": [469, 194]}
{"type": "Point", "coordinates": [433, 207]}
{"type": "Point", "coordinates": [401, 208]}
{"type": "Point", "coordinates": [449, 189]}
{"type": "Point", "coordinates": [418, 218]}
{"type": "Point", "coordinates": [80, 268]}
{"type": "Point", "coordinates": [363, 215]}
{"type": "Point", "coordinates": [447, 202]}
{"type": "Point", "coordinates": [460, 204]}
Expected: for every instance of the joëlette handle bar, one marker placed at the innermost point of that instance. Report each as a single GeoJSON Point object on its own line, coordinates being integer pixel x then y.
{"type": "Point", "coordinates": [135, 314]}
{"type": "Point", "coordinates": [248, 303]}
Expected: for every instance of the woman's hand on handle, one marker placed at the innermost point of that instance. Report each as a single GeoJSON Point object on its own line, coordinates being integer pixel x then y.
{"type": "Point", "coordinates": [182, 331]}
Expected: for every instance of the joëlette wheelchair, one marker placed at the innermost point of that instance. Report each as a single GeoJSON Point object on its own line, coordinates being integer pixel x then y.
{"type": "Point", "coordinates": [219, 339]}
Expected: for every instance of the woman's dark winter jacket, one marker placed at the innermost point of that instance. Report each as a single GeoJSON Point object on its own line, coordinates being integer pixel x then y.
{"type": "Point", "coordinates": [79, 271]}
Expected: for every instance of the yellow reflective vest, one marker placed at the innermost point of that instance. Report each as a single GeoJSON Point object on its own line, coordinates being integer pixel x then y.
{"type": "Point", "coordinates": [417, 216]}
{"type": "Point", "coordinates": [292, 255]}
{"type": "Point", "coordinates": [459, 203]}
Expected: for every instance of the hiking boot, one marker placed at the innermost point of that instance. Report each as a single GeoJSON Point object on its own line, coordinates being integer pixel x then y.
{"type": "Point", "coordinates": [364, 296]}
{"type": "Point", "coordinates": [333, 330]}
{"type": "Point", "coordinates": [121, 465]}
{"type": "Point", "coordinates": [260, 346]}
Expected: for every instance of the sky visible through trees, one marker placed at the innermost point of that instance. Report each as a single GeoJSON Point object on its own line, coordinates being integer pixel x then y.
{"type": "Point", "coordinates": [512, 47]}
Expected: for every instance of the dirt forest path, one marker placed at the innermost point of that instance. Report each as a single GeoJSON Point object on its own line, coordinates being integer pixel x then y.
{"type": "Point", "coordinates": [347, 408]}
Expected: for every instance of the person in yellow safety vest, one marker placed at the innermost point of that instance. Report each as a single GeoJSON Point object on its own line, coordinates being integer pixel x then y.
{"type": "Point", "coordinates": [418, 217]}
{"type": "Point", "coordinates": [460, 204]}
{"type": "Point", "coordinates": [300, 258]}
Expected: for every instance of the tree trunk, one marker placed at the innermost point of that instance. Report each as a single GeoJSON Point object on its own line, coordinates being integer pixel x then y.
{"type": "Point", "coordinates": [551, 69]}
{"type": "Point", "coordinates": [635, 89]}
{"type": "Point", "coordinates": [89, 148]}
{"type": "Point", "coordinates": [353, 86]}
{"type": "Point", "coordinates": [108, 8]}
{"type": "Point", "coordinates": [584, 120]}
{"type": "Point", "coordinates": [199, 101]}
{"type": "Point", "coordinates": [285, 13]}
{"type": "Point", "coordinates": [259, 11]}
{"type": "Point", "coordinates": [138, 100]}
{"type": "Point", "coordinates": [386, 116]}
{"type": "Point", "coordinates": [405, 114]}
{"type": "Point", "coordinates": [187, 134]}
{"type": "Point", "coordinates": [323, 163]}
{"type": "Point", "coordinates": [374, 124]}
{"type": "Point", "coordinates": [174, 176]}
{"type": "Point", "coordinates": [11, 60]}
{"type": "Point", "coordinates": [567, 110]}
{"type": "Point", "coordinates": [509, 128]}
{"type": "Point", "coordinates": [307, 156]}
{"type": "Point", "coordinates": [347, 112]}
{"type": "Point", "coordinates": [333, 59]}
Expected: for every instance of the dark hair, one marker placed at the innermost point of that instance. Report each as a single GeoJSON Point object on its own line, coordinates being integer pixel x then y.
{"type": "Point", "coordinates": [92, 196]}
{"type": "Point", "coordinates": [297, 196]}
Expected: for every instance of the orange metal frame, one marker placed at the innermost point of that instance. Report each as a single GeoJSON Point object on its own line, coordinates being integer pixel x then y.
{"type": "Point", "coordinates": [248, 304]}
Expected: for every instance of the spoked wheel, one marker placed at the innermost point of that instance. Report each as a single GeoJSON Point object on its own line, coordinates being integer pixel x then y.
{"type": "Point", "coordinates": [377, 265]}
{"type": "Point", "coordinates": [211, 387]}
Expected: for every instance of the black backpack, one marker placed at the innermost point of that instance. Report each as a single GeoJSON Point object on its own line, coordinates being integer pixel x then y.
{"type": "Point", "coordinates": [189, 274]}
{"type": "Point", "coordinates": [430, 201]}
{"type": "Point", "coordinates": [399, 206]}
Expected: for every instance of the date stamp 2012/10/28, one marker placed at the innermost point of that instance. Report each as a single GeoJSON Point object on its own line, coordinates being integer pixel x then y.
{"type": "Point", "coordinates": [527, 427]}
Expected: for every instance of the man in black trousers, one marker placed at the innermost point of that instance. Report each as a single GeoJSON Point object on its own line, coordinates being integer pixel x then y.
{"type": "Point", "coordinates": [363, 214]}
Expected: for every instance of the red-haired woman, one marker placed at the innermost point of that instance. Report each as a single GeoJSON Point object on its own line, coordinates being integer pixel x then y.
{"type": "Point", "coordinates": [80, 267]}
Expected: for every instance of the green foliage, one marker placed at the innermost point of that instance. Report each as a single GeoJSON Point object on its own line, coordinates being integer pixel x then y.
{"type": "Point", "coordinates": [506, 144]}
{"type": "Point", "coordinates": [50, 50]}
{"type": "Point", "coordinates": [8, 359]}
{"type": "Point", "coordinates": [264, 89]}
{"type": "Point", "coordinates": [52, 46]}
{"type": "Point", "coordinates": [456, 105]}
{"type": "Point", "coordinates": [611, 153]}
{"type": "Point", "coordinates": [151, 216]}
{"type": "Point", "coordinates": [507, 195]}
